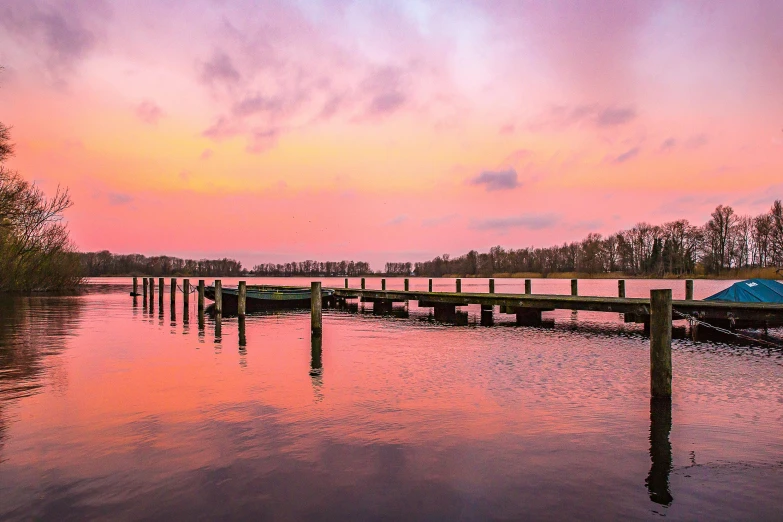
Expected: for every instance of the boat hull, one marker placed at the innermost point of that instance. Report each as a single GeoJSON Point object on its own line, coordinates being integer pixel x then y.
{"type": "Point", "coordinates": [266, 298]}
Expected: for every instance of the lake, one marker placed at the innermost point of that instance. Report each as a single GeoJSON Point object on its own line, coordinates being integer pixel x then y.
{"type": "Point", "coordinates": [112, 409]}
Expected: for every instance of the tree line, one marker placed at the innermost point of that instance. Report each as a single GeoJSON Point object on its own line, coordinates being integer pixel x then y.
{"type": "Point", "coordinates": [726, 242]}
{"type": "Point", "coordinates": [313, 268]}
{"type": "Point", "coordinates": [105, 263]}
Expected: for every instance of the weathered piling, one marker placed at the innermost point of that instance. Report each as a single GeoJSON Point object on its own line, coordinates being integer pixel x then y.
{"type": "Point", "coordinates": [621, 288]}
{"type": "Point", "coordinates": [144, 287]}
{"type": "Point", "coordinates": [346, 282]}
{"type": "Point", "coordinates": [135, 286]}
{"type": "Point", "coordinates": [383, 284]}
{"type": "Point", "coordinates": [173, 290]}
{"type": "Point", "coordinates": [491, 286]}
{"type": "Point", "coordinates": [152, 289]}
{"type": "Point", "coordinates": [316, 317]}
{"type": "Point", "coordinates": [487, 318]}
{"type": "Point", "coordinates": [363, 283]}
{"type": "Point", "coordinates": [430, 285]}
{"type": "Point", "coordinates": [574, 287]}
{"type": "Point", "coordinates": [528, 286]}
{"type": "Point", "coordinates": [218, 296]}
{"type": "Point", "coordinates": [161, 289]}
{"type": "Point", "coordinates": [689, 289]}
{"type": "Point", "coordinates": [459, 285]}
{"type": "Point", "coordinates": [200, 294]}
{"type": "Point", "coordinates": [661, 343]}
{"type": "Point", "coordinates": [407, 285]}
{"type": "Point", "coordinates": [186, 292]}
{"type": "Point", "coordinates": [242, 299]}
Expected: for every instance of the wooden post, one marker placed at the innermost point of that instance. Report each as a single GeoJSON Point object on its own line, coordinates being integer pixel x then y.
{"type": "Point", "coordinates": [173, 290]}
{"type": "Point", "coordinates": [346, 282]}
{"type": "Point", "coordinates": [161, 288]}
{"type": "Point", "coordinates": [407, 285]}
{"type": "Point", "coordinates": [621, 288]}
{"type": "Point", "coordinates": [491, 286]}
{"type": "Point", "coordinates": [200, 294]}
{"type": "Point", "coordinates": [383, 284]}
{"type": "Point", "coordinates": [186, 292]}
{"type": "Point", "coordinates": [152, 289]}
{"type": "Point", "coordinates": [528, 286]}
{"type": "Point", "coordinates": [135, 286]}
{"type": "Point", "coordinates": [218, 296]}
{"type": "Point", "coordinates": [362, 283]}
{"type": "Point", "coordinates": [459, 285]}
{"type": "Point", "coordinates": [242, 299]}
{"type": "Point", "coordinates": [574, 287]}
{"type": "Point", "coordinates": [144, 287]}
{"type": "Point", "coordinates": [689, 289]}
{"type": "Point", "coordinates": [661, 343]}
{"type": "Point", "coordinates": [316, 319]}
{"type": "Point", "coordinates": [430, 285]}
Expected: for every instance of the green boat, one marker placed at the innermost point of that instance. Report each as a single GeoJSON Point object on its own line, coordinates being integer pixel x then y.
{"type": "Point", "coordinates": [265, 297]}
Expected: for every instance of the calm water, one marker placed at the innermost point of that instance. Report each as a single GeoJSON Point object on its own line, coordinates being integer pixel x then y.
{"type": "Point", "coordinates": [112, 410]}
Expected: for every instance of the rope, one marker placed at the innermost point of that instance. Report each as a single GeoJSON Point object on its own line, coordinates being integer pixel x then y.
{"type": "Point", "coordinates": [695, 320]}
{"type": "Point", "coordinates": [193, 289]}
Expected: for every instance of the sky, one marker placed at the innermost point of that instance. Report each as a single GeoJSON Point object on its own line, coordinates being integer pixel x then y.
{"type": "Point", "coordinates": [274, 131]}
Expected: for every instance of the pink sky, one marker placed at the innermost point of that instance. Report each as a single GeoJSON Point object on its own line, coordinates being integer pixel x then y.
{"type": "Point", "coordinates": [390, 131]}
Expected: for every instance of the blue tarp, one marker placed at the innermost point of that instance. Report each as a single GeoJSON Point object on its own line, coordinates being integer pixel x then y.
{"type": "Point", "coordinates": [751, 291]}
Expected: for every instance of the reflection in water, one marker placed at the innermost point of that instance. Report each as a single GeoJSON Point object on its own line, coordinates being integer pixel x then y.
{"type": "Point", "coordinates": [316, 367]}
{"type": "Point", "coordinates": [242, 336]}
{"type": "Point", "coordinates": [185, 316]}
{"type": "Point", "coordinates": [201, 325]}
{"type": "Point", "coordinates": [218, 331]}
{"type": "Point", "coordinates": [173, 315]}
{"type": "Point", "coordinates": [660, 451]}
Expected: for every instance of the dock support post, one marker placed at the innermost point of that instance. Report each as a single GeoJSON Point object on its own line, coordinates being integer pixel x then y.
{"type": "Point", "coordinates": [486, 315]}
{"type": "Point", "coordinates": [661, 343]}
{"type": "Point", "coordinates": [445, 312]}
{"type": "Point", "coordinates": [135, 286]}
{"type": "Point", "coordinates": [383, 284]}
{"type": "Point", "coordinates": [161, 288]}
{"type": "Point", "coordinates": [173, 290]}
{"type": "Point", "coordinates": [574, 288]}
{"type": "Point", "coordinates": [186, 293]}
{"type": "Point", "coordinates": [316, 319]}
{"type": "Point", "coordinates": [689, 289]}
{"type": "Point", "coordinates": [362, 283]}
{"type": "Point", "coordinates": [346, 282]}
{"type": "Point", "coordinates": [491, 286]}
{"type": "Point", "coordinates": [430, 285]}
{"type": "Point", "coordinates": [459, 285]}
{"type": "Point", "coordinates": [242, 299]}
{"type": "Point", "coordinates": [152, 289]}
{"type": "Point", "coordinates": [200, 294]}
{"type": "Point", "coordinates": [528, 317]}
{"type": "Point", "coordinates": [144, 287]}
{"type": "Point", "coordinates": [528, 286]}
{"type": "Point", "coordinates": [621, 288]}
{"type": "Point", "coordinates": [218, 296]}
{"type": "Point", "coordinates": [407, 285]}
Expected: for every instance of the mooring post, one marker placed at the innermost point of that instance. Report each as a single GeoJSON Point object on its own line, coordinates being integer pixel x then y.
{"type": "Point", "coordinates": [218, 296]}
{"type": "Point", "coordinates": [152, 289]}
{"type": "Point", "coordinates": [383, 284]}
{"type": "Point", "coordinates": [459, 285]}
{"type": "Point", "coordinates": [346, 282]}
{"type": "Point", "coordinates": [362, 283]}
{"type": "Point", "coordinates": [528, 286]}
{"type": "Point", "coordinates": [491, 286]}
{"type": "Point", "coordinates": [574, 290]}
{"type": "Point", "coordinates": [173, 290]}
{"type": "Point", "coordinates": [144, 287]}
{"type": "Point", "coordinates": [689, 289]}
{"type": "Point", "coordinates": [242, 299]}
{"type": "Point", "coordinates": [430, 285]}
{"type": "Point", "coordinates": [186, 292]}
{"type": "Point", "coordinates": [161, 288]}
{"type": "Point", "coordinates": [661, 343]}
{"type": "Point", "coordinates": [200, 294]}
{"type": "Point", "coordinates": [407, 285]}
{"type": "Point", "coordinates": [135, 286]}
{"type": "Point", "coordinates": [316, 319]}
{"type": "Point", "coordinates": [621, 288]}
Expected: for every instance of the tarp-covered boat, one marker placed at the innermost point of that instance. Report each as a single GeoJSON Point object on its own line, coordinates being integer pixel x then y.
{"type": "Point", "coordinates": [751, 291]}
{"type": "Point", "coordinates": [262, 297]}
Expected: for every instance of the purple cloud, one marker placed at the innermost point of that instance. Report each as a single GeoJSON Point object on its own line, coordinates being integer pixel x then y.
{"type": "Point", "coordinates": [627, 155]}
{"type": "Point", "coordinates": [496, 180]}
{"type": "Point", "coordinates": [527, 221]}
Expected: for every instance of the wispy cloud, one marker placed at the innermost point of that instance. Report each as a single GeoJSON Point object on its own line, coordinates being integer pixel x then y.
{"type": "Point", "coordinates": [627, 155]}
{"type": "Point", "coordinates": [496, 180]}
{"type": "Point", "coordinates": [528, 221]}
{"type": "Point", "coordinates": [397, 220]}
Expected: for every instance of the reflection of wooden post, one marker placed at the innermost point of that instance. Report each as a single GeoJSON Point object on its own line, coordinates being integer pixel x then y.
{"type": "Point", "coordinates": [491, 286]}
{"type": "Point", "coordinates": [200, 294]}
{"type": "Point", "coordinates": [459, 285]}
{"type": "Point", "coordinates": [661, 343]}
{"type": "Point", "coordinates": [316, 367]}
{"type": "Point", "coordinates": [574, 290]}
{"type": "Point", "coordinates": [407, 285]}
{"type": "Point", "coordinates": [186, 292]}
{"type": "Point", "coordinates": [660, 451]}
{"type": "Point", "coordinates": [241, 299]}
{"type": "Point", "coordinates": [528, 286]}
{"type": "Point", "coordinates": [316, 319]}
{"type": "Point", "coordinates": [135, 286]}
{"type": "Point", "coordinates": [218, 296]}
{"type": "Point", "coordinates": [173, 290]}
{"type": "Point", "coordinates": [689, 289]}
{"type": "Point", "coordinates": [621, 288]}
{"type": "Point", "coordinates": [430, 285]}
{"type": "Point", "coordinates": [242, 337]}
{"type": "Point", "coordinates": [383, 284]}
{"type": "Point", "coordinates": [363, 283]}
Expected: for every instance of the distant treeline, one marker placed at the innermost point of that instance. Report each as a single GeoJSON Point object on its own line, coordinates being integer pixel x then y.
{"type": "Point", "coordinates": [727, 242]}
{"type": "Point", "coordinates": [313, 268]}
{"type": "Point", "coordinates": [107, 264]}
